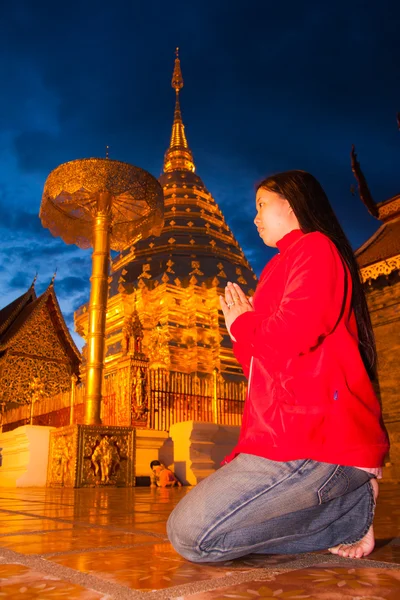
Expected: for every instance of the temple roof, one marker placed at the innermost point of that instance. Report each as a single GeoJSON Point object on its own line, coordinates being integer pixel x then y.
{"type": "Point", "coordinates": [20, 312]}
{"type": "Point", "coordinates": [380, 254]}
{"type": "Point", "coordinates": [10, 313]}
{"type": "Point", "coordinates": [383, 245]}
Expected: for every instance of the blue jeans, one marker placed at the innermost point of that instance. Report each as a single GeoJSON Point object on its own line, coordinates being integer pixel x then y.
{"type": "Point", "coordinates": [256, 505]}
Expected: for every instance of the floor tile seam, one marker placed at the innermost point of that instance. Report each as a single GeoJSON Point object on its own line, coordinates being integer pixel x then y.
{"type": "Point", "coordinates": [35, 502]}
{"type": "Point", "coordinates": [87, 525]}
{"type": "Point", "coordinates": [35, 532]}
{"type": "Point", "coordinates": [86, 580]}
{"type": "Point", "coordinates": [95, 549]}
{"type": "Point", "coordinates": [158, 536]}
{"type": "Point", "coordinates": [33, 516]}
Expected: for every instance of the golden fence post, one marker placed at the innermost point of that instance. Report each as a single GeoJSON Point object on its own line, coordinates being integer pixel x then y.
{"type": "Point", "coordinates": [215, 396]}
{"type": "Point", "coordinates": [74, 379]}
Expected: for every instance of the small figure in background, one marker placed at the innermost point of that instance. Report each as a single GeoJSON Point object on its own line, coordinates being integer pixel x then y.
{"type": "Point", "coordinates": [161, 476]}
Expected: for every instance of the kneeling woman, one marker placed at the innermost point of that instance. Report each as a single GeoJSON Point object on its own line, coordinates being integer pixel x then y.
{"type": "Point", "coordinates": [303, 474]}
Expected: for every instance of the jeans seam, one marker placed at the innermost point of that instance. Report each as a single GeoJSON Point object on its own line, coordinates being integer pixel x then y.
{"type": "Point", "coordinates": [227, 516]}
{"type": "Point", "coordinates": [338, 471]}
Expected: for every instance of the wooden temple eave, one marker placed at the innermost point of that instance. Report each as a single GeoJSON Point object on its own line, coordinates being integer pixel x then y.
{"type": "Point", "coordinates": [389, 209]}
{"type": "Point", "coordinates": [383, 267]}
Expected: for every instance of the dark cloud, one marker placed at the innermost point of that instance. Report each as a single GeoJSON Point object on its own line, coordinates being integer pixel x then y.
{"type": "Point", "coordinates": [72, 285]}
{"type": "Point", "coordinates": [20, 280]}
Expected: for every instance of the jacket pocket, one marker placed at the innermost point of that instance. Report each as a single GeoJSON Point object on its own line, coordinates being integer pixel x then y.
{"type": "Point", "coordinates": [336, 485]}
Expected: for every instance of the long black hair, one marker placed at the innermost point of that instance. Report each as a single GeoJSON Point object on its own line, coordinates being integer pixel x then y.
{"type": "Point", "coordinates": [314, 212]}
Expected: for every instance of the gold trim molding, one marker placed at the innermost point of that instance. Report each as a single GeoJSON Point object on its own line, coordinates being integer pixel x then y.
{"type": "Point", "coordinates": [383, 267]}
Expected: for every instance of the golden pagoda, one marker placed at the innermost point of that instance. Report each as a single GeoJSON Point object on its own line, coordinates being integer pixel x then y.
{"type": "Point", "coordinates": [168, 354]}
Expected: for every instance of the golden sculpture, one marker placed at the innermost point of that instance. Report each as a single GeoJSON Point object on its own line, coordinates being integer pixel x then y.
{"type": "Point", "coordinates": [105, 459]}
{"type": "Point", "coordinates": [105, 204]}
{"type": "Point", "coordinates": [63, 455]}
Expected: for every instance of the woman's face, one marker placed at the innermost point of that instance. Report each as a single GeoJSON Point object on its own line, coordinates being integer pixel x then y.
{"type": "Point", "coordinates": [275, 218]}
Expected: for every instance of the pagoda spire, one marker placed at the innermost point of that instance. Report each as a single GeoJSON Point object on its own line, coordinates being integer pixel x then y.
{"type": "Point", "coordinates": [178, 157]}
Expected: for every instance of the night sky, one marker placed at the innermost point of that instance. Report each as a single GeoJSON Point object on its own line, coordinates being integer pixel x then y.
{"type": "Point", "coordinates": [269, 86]}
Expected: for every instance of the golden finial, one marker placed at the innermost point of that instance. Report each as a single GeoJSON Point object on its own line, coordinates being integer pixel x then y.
{"type": "Point", "coordinates": [34, 280]}
{"type": "Point", "coordinates": [178, 155]}
{"type": "Point", "coordinates": [177, 79]}
{"type": "Point", "coordinates": [53, 278]}
{"type": "Point", "coordinates": [107, 151]}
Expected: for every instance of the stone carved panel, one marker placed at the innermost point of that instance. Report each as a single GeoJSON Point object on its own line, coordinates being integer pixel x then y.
{"type": "Point", "coordinates": [91, 456]}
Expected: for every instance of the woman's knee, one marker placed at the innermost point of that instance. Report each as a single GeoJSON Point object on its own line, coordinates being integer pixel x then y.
{"type": "Point", "coordinates": [184, 535]}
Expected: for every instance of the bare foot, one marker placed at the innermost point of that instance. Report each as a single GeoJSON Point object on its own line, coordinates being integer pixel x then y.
{"type": "Point", "coordinates": [364, 546]}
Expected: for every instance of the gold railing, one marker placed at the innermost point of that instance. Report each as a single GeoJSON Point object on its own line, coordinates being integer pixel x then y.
{"type": "Point", "coordinates": [171, 397]}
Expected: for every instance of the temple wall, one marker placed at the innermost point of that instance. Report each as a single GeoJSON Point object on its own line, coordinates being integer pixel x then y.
{"type": "Point", "coordinates": [384, 305]}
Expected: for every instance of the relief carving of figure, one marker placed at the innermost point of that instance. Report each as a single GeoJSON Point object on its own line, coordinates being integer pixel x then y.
{"type": "Point", "coordinates": [63, 456]}
{"type": "Point", "coordinates": [132, 335]}
{"type": "Point", "coordinates": [139, 396]}
{"type": "Point", "coordinates": [105, 459]}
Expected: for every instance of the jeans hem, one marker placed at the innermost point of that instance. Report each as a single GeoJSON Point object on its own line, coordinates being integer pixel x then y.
{"type": "Point", "coordinates": [370, 516]}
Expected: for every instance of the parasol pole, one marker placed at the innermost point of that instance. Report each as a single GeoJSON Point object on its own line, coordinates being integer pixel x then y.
{"type": "Point", "coordinates": [98, 308]}
{"type": "Point", "coordinates": [106, 204]}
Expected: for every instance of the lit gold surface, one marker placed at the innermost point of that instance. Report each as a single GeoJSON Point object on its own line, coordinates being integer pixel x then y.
{"type": "Point", "coordinates": [90, 455]}
{"type": "Point", "coordinates": [178, 155]}
{"type": "Point", "coordinates": [97, 309]}
{"type": "Point", "coordinates": [70, 201]}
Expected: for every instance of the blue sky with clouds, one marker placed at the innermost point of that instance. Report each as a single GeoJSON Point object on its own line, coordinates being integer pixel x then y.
{"type": "Point", "coordinates": [268, 86]}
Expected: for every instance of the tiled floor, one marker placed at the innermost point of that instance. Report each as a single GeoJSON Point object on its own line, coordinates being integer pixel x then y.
{"type": "Point", "coordinates": [111, 543]}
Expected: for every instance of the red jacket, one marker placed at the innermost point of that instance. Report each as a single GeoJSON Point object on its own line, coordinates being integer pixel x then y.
{"type": "Point", "coordinates": [309, 395]}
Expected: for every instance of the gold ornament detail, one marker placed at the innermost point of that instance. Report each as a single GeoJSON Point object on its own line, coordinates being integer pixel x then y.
{"type": "Point", "coordinates": [145, 272]}
{"type": "Point", "coordinates": [196, 268]}
{"type": "Point", "coordinates": [388, 208]}
{"type": "Point", "coordinates": [383, 267]}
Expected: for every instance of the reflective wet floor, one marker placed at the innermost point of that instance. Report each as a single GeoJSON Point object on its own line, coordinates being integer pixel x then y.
{"type": "Point", "coordinates": [111, 543]}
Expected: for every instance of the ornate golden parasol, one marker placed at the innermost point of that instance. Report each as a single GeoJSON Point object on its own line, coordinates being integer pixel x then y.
{"type": "Point", "coordinates": [104, 204]}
